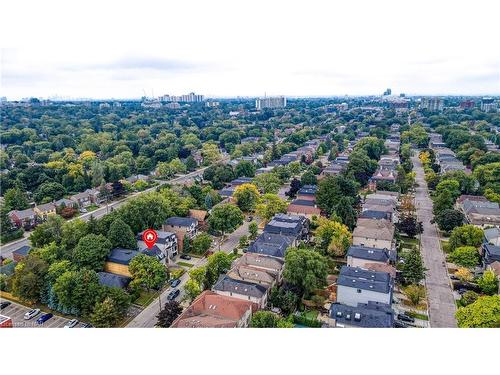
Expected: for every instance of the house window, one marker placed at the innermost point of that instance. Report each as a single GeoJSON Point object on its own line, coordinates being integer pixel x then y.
{"type": "Point", "coordinates": [359, 290]}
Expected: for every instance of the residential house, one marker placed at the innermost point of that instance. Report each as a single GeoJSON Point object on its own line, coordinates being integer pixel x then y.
{"type": "Point", "coordinates": [489, 254]}
{"type": "Point", "coordinates": [359, 256]}
{"type": "Point", "coordinates": [270, 265]}
{"type": "Point", "coordinates": [482, 214]}
{"type": "Point", "coordinates": [333, 169]}
{"type": "Point", "coordinates": [492, 236]}
{"type": "Point", "coordinates": [166, 244]}
{"type": "Point", "coordinates": [118, 260]}
{"type": "Point", "coordinates": [137, 177]}
{"type": "Point", "coordinates": [356, 285]}
{"type": "Point", "coordinates": [374, 233]}
{"type": "Point", "coordinates": [199, 215]}
{"type": "Point", "coordinates": [364, 315]}
{"type": "Point", "coordinates": [182, 227]}
{"type": "Point", "coordinates": [249, 291]}
{"type": "Point", "coordinates": [43, 211]}
{"type": "Point", "coordinates": [307, 208]}
{"type": "Point", "coordinates": [293, 226]}
{"type": "Point", "coordinates": [64, 202]}
{"type": "Point", "coordinates": [113, 280]}
{"type": "Point", "coordinates": [211, 310]}
{"type": "Point", "coordinates": [21, 253]}
{"type": "Point", "coordinates": [82, 199]}
{"type": "Point", "coordinates": [307, 193]}
{"type": "Point", "coordinates": [271, 244]}
{"type": "Point", "coordinates": [253, 275]}
{"type": "Point", "coordinates": [23, 218]}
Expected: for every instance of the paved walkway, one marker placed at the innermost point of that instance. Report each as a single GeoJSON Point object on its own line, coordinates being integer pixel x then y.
{"type": "Point", "coordinates": [439, 294]}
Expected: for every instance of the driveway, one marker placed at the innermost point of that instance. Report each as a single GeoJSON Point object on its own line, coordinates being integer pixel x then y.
{"type": "Point", "coordinates": [441, 303]}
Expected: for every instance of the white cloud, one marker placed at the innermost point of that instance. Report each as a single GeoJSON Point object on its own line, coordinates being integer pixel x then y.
{"type": "Point", "coordinates": [230, 48]}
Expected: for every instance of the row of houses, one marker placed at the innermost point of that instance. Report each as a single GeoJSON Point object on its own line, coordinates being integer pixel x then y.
{"type": "Point", "coordinates": [365, 285]}
{"type": "Point", "coordinates": [445, 157]}
{"type": "Point", "coordinates": [245, 288]}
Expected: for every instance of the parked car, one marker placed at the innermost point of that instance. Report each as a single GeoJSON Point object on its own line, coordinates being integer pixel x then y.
{"type": "Point", "coordinates": [4, 304]}
{"type": "Point", "coordinates": [72, 323]}
{"type": "Point", "coordinates": [44, 318]}
{"type": "Point", "coordinates": [398, 324]}
{"type": "Point", "coordinates": [174, 282]}
{"type": "Point", "coordinates": [88, 325]}
{"type": "Point", "coordinates": [83, 210]}
{"type": "Point", "coordinates": [31, 314]}
{"type": "Point", "coordinates": [185, 256]}
{"type": "Point", "coordinates": [173, 294]}
{"type": "Point", "coordinates": [453, 277]}
{"type": "Point", "coordinates": [250, 218]}
{"type": "Point", "coordinates": [406, 318]}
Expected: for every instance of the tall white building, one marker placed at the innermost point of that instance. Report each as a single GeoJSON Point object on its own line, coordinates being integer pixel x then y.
{"type": "Point", "coordinates": [276, 102]}
{"type": "Point", "coordinates": [188, 98]}
{"type": "Point", "coordinates": [488, 104]}
{"type": "Point", "coordinates": [432, 104]}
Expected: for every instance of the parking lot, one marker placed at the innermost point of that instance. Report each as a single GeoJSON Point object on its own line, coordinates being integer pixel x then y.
{"type": "Point", "coordinates": [16, 312]}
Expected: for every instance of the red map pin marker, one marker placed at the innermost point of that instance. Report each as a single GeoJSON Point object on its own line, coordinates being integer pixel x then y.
{"type": "Point", "coordinates": [149, 237]}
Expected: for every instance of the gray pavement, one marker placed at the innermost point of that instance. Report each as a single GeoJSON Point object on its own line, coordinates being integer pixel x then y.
{"type": "Point", "coordinates": [439, 293]}
{"type": "Point", "coordinates": [16, 312]}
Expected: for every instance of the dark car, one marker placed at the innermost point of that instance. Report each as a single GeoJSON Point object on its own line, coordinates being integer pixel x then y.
{"type": "Point", "coordinates": [250, 218]}
{"type": "Point", "coordinates": [44, 318]}
{"type": "Point", "coordinates": [185, 256]}
{"type": "Point", "coordinates": [406, 318]}
{"type": "Point", "coordinates": [173, 294]}
{"type": "Point", "coordinates": [88, 325]}
{"type": "Point", "coordinates": [174, 282]}
{"type": "Point", "coordinates": [4, 304]}
{"type": "Point", "coordinates": [398, 324]}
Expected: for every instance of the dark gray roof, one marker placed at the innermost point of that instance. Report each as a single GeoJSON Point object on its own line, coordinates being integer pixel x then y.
{"type": "Point", "coordinates": [181, 221]}
{"type": "Point", "coordinates": [23, 250]}
{"type": "Point", "coordinates": [121, 256]}
{"type": "Point", "coordinates": [288, 225]}
{"type": "Point", "coordinates": [370, 253]}
{"type": "Point", "coordinates": [227, 284]}
{"type": "Point", "coordinates": [113, 280]}
{"type": "Point", "coordinates": [492, 253]}
{"type": "Point", "coordinates": [228, 192]}
{"type": "Point", "coordinates": [153, 252]}
{"type": "Point", "coordinates": [366, 315]}
{"type": "Point", "coordinates": [241, 181]}
{"type": "Point", "coordinates": [355, 277]}
{"type": "Point", "coordinates": [308, 190]}
{"type": "Point", "coordinates": [270, 244]}
{"type": "Point", "coordinates": [163, 236]}
{"type": "Point", "coordinates": [372, 214]}
{"type": "Point", "coordinates": [303, 202]}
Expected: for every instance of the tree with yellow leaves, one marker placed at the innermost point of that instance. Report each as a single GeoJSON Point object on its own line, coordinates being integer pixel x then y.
{"type": "Point", "coordinates": [464, 274]}
{"type": "Point", "coordinates": [332, 237]}
{"type": "Point", "coordinates": [425, 157]}
{"type": "Point", "coordinates": [247, 196]}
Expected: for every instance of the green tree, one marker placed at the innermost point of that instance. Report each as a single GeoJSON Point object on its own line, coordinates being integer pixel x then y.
{"type": "Point", "coordinates": [217, 264]}
{"type": "Point", "coordinates": [443, 201]}
{"type": "Point", "coordinates": [412, 269]}
{"type": "Point", "coordinates": [246, 196]}
{"type": "Point", "coordinates": [170, 312]}
{"type": "Point", "coordinates": [305, 268]}
{"type": "Point", "coordinates": [28, 279]}
{"type": "Point", "coordinates": [15, 199]}
{"type": "Point", "coordinates": [466, 256]}
{"type": "Point", "coordinates": [245, 168]}
{"type": "Point", "coordinates": [449, 219]}
{"type": "Point", "coordinates": [373, 147]}
{"type": "Point", "coordinates": [225, 218]}
{"type": "Point", "coordinates": [147, 271]}
{"type": "Point", "coordinates": [488, 283]}
{"type": "Point", "coordinates": [344, 210]}
{"type": "Point", "coordinates": [253, 230]}
{"type": "Point", "coordinates": [201, 243]}
{"type": "Point", "coordinates": [283, 299]}
{"type": "Point", "coordinates": [91, 252]}
{"type": "Point", "coordinates": [269, 205]}
{"type": "Point", "coordinates": [105, 314]}
{"type": "Point", "coordinates": [264, 319]}
{"type": "Point", "coordinates": [190, 163]}
{"type": "Point", "coordinates": [451, 186]}
{"type": "Point", "coordinates": [77, 290]}
{"type": "Point", "coordinates": [308, 178]}
{"type": "Point", "coordinates": [267, 183]}
{"type": "Point", "coordinates": [192, 289]}
{"type": "Point", "coordinates": [50, 231]}
{"type": "Point", "coordinates": [8, 232]}
{"type": "Point", "coordinates": [120, 235]}
{"type": "Point", "coordinates": [72, 232]}
{"type": "Point", "coordinates": [415, 293]}
{"type": "Point", "coordinates": [332, 189]}
{"type": "Point", "coordinates": [332, 237]}
{"type": "Point", "coordinates": [49, 191]}
{"type": "Point", "coordinates": [466, 235]}
{"type": "Point", "coordinates": [484, 313]}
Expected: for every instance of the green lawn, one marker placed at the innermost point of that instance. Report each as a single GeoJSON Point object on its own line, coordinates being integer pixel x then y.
{"type": "Point", "coordinates": [92, 207]}
{"type": "Point", "coordinates": [444, 245]}
{"type": "Point", "coordinates": [417, 315]}
{"type": "Point", "coordinates": [146, 298]}
{"type": "Point", "coordinates": [185, 264]}
{"type": "Point", "coordinates": [311, 314]}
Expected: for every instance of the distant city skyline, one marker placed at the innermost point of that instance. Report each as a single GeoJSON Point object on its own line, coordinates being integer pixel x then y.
{"type": "Point", "coordinates": [334, 49]}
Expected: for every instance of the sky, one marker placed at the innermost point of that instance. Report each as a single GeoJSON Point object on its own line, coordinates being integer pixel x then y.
{"type": "Point", "coordinates": [249, 48]}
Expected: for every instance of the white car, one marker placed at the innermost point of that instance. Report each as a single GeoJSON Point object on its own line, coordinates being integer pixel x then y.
{"type": "Point", "coordinates": [71, 323]}
{"type": "Point", "coordinates": [31, 314]}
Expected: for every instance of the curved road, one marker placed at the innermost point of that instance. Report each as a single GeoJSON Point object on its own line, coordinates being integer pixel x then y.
{"type": "Point", "coordinates": [439, 293]}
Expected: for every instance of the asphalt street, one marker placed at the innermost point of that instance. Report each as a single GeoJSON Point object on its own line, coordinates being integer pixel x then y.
{"type": "Point", "coordinates": [440, 298]}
